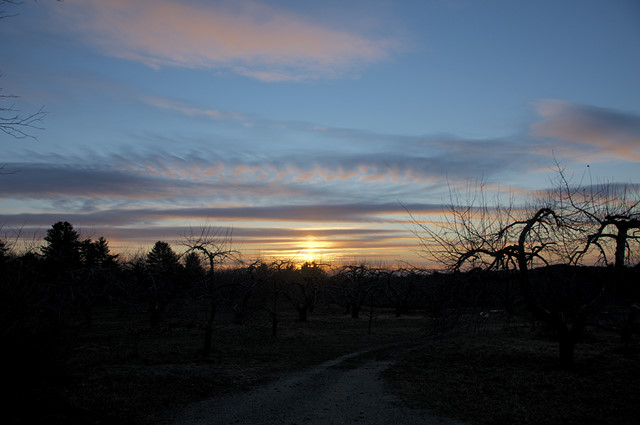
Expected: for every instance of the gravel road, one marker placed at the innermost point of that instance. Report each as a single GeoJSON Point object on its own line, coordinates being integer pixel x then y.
{"type": "Point", "coordinates": [329, 393]}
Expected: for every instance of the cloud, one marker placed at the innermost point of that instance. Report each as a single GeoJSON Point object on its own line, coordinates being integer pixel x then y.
{"type": "Point", "coordinates": [244, 37]}
{"type": "Point", "coordinates": [48, 180]}
{"type": "Point", "coordinates": [597, 132]}
{"type": "Point", "coordinates": [309, 213]}
{"type": "Point", "coordinates": [219, 175]}
{"type": "Point", "coordinates": [120, 180]}
{"type": "Point", "coordinates": [215, 114]}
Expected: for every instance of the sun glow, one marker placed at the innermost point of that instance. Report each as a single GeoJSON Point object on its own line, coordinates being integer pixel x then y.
{"type": "Point", "coordinates": [313, 250]}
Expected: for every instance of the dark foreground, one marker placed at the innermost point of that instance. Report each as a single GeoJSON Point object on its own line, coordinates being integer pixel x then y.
{"type": "Point", "coordinates": [330, 393]}
{"type": "Point", "coordinates": [118, 370]}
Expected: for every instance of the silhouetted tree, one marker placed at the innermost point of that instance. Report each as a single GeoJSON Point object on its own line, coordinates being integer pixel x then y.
{"type": "Point", "coordinates": [4, 13]}
{"type": "Point", "coordinates": [63, 246]}
{"type": "Point", "coordinates": [98, 274]}
{"type": "Point", "coordinates": [607, 215]}
{"type": "Point", "coordinates": [162, 258]}
{"type": "Point", "coordinates": [193, 263]}
{"type": "Point", "coordinates": [216, 245]}
{"type": "Point", "coordinates": [355, 282]}
{"type": "Point", "coordinates": [62, 270]}
{"type": "Point", "coordinates": [398, 286]}
{"type": "Point", "coordinates": [305, 287]}
{"type": "Point", "coordinates": [193, 269]}
{"type": "Point", "coordinates": [96, 254]}
{"type": "Point", "coordinates": [281, 274]}
{"type": "Point", "coordinates": [12, 122]}
{"type": "Point", "coordinates": [163, 268]}
{"type": "Point", "coordinates": [500, 237]}
{"type": "Point", "coordinates": [269, 281]}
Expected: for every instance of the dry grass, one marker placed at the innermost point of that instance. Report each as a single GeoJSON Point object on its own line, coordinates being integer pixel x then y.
{"type": "Point", "coordinates": [513, 377]}
{"type": "Point", "coordinates": [120, 371]}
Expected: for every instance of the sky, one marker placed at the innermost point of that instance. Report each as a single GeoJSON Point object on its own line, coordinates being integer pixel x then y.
{"type": "Point", "coordinates": [309, 128]}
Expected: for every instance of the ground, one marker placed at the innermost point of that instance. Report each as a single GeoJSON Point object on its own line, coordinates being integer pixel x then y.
{"type": "Point", "coordinates": [118, 370]}
{"type": "Point", "coordinates": [338, 391]}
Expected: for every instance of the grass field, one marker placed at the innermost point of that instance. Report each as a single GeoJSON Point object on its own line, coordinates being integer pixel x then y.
{"type": "Point", "coordinates": [119, 370]}
{"type": "Point", "coordinates": [513, 376]}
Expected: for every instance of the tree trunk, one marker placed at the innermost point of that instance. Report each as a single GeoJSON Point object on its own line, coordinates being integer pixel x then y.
{"type": "Point", "coordinates": [302, 313]}
{"type": "Point", "coordinates": [355, 310]}
{"type": "Point", "coordinates": [208, 331]}
{"type": "Point", "coordinates": [621, 244]}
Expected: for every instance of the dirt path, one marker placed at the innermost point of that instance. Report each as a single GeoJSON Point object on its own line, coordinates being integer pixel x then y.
{"type": "Point", "coordinates": [333, 392]}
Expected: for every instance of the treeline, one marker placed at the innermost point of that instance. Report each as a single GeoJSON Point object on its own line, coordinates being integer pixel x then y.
{"type": "Point", "coordinates": [68, 277]}
{"type": "Point", "coordinates": [47, 291]}
{"type": "Point", "coordinates": [62, 283]}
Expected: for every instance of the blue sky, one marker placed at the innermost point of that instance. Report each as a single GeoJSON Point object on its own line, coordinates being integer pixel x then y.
{"type": "Point", "coordinates": [306, 126]}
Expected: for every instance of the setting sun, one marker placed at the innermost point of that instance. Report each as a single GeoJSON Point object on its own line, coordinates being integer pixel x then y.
{"type": "Point", "coordinates": [311, 251]}
{"type": "Point", "coordinates": [314, 250]}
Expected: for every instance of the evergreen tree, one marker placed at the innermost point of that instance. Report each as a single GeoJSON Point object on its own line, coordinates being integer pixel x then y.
{"type": "Point", "coordinates": [163, 274]}
{"type": "Point", "coordinates": [194, 271]}
{"type": "Point", "coordinates": [97, 253]}
{"type": "Point", "coordinates": [63, 246]}
{"type": "Point", "coordinates": [162, 259]}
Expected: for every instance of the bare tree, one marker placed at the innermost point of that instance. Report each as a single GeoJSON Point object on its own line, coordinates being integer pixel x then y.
{"type": "Point", "coordinates": [17, 125]}
{"type": "Point", "coordinates": [398, 286]}
{"type": "Point", "coordinates": [356, 282]}
{"type": "Point", "coordinates": [502, 237]}
{"type": "Point", "coordinates": [305, 287]}
{"type": "Point", "coordinates": [3, 13]}
{"type": "Point", "coordinates": [607, 215]}
{"type": "Point", "coordinates": [12, 122]}
{"type": "Point", "coordinates": [272, 280]}
{"type": "Point", "coordinates": [216, 245]}
{"type": "Point", "coordinates": [608, 218]}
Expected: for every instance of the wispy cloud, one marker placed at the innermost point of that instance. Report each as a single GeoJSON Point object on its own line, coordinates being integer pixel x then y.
{"type": "Point", "coordinates": [598, 133]}
{"type": "Point", "coordinates": [174, 105]}
{"type": "Point", "coordinates": [142, 183]}
{"type": "Point", "coordinates": [227, 176]}
{"type": "Point", "coordinates": [243, 37]}
{"type": "Point", "coordinates": [310, 213]}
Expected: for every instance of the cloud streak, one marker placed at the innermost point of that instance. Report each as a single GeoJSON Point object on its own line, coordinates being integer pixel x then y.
{"type": "Point", "coordinates": [310, 213]}
{"type": "Point", "coordinates": [225, 176]}
{"type": "Point", "coordinates": [598, 132]}
{"type": "Point", "coordinates": [243, 37]}
{"type": "Point", "coordinates": [213, 114]}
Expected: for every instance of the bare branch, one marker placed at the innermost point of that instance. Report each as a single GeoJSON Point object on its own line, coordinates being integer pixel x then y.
{"type": "Point", "coordinates": [16, 125]}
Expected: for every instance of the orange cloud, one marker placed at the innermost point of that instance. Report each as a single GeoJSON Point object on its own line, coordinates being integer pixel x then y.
{"type": "Point", "coordinates": [244, 37]}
